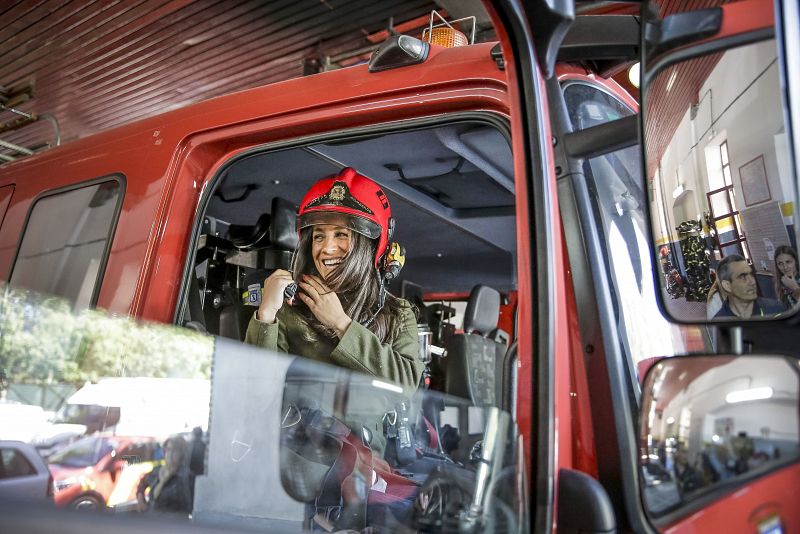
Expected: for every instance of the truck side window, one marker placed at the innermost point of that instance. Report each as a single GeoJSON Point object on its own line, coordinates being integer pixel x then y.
{"type": "Point", "coordinates": [65, 241]}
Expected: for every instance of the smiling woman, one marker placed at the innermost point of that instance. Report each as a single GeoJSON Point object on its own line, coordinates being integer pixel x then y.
{"type": "Point", "coordinates": [342, 313]}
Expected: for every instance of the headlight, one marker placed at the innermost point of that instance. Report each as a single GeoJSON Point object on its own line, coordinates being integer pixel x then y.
{"type": "Point", "coordinates": [65, 483]}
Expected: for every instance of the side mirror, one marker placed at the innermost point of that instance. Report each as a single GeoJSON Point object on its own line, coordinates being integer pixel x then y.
{"type": "Point", "coordinates": [712, 424]}
{"type": "Point", "coordinates": [719, 165]}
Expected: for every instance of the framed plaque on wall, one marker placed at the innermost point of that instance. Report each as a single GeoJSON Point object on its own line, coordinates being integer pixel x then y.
{"type": "Point", "coordinates": [755, 187]}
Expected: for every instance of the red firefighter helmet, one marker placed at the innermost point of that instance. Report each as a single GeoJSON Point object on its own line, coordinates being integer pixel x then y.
{"type": "Point", "coordinates": [350, 200]}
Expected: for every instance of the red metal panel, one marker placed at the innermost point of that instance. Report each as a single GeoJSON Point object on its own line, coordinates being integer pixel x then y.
{"type": "Point", "coordinates": [168, 156]}
{"type": "Point", "coordinates": [749, 507]}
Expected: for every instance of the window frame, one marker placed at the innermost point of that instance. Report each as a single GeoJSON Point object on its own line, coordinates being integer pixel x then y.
{"type": "Point", "coordinates": [497, 120]}
{"type": "Point", "coordinates": [115, 177]}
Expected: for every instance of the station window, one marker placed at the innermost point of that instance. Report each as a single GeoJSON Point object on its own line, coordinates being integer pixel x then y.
{"type": "Point", "coordinates": [65, 242]}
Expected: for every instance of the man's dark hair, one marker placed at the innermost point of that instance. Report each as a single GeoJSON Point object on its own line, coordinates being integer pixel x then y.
{"type": "Point", "coordinates": [724, 267]}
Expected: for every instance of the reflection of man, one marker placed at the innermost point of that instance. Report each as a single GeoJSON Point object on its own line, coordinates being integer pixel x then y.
{"type": "Point", "coordinates": [739, 282]}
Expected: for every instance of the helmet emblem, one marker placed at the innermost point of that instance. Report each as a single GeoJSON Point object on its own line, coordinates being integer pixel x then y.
{"type": "Point", "coordinates": [337, 193]}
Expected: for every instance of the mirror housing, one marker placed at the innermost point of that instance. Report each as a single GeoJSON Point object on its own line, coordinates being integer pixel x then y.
{"type": "Point", "coordinates": [719, 166]}
{"type": "Point", "coordinates": [681, 29]}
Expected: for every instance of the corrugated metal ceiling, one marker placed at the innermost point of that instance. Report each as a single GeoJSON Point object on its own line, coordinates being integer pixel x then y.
{"type": "Point", "coordinates": [666, 108]}
{"type": "Point", "coordinates": [95, 64]}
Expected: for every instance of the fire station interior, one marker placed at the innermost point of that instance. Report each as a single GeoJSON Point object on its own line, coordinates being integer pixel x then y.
{"type": "Point", "coordinates": [451, 190]}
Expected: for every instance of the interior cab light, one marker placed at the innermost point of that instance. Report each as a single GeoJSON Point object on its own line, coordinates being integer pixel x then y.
{"type": "Point", "coordinates": [399, 51]}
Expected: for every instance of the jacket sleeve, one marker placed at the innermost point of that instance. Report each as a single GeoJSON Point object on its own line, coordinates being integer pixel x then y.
{"type": "Point", "coordinates": [398, 361]}
{"type": "Point", "coordinates": [267, 336]}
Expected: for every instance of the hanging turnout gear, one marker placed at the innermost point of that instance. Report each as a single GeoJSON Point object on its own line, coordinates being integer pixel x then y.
{"type": "Point", "coordinates": [696, 261]}
{"type": "Point", "coordinates": [674, 280]}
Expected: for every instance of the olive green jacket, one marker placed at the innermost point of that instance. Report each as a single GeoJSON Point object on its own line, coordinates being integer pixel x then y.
{"type": "Point", "coordinates": [359, 349]}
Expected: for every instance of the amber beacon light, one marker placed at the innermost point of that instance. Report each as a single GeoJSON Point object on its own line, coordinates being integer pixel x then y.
{"type": "Point", "coordinates": [445, 34]}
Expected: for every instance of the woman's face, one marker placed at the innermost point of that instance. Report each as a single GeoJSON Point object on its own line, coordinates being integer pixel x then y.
{"type": "Point", "coordinates": [329, 246]}
{"type": "Point", "coordinates": [786, 265]}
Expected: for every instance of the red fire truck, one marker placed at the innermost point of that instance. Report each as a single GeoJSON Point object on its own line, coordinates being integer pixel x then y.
{"type": "Point", "coordinates": [533, 200]}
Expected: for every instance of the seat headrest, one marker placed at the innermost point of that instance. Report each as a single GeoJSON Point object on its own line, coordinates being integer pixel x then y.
{"type": "Point", "coordinates": [248, 237]}
{"type": "Point", "coordinates": [483, 310]}
{"type": "Point", "coordinates": [283, 230]}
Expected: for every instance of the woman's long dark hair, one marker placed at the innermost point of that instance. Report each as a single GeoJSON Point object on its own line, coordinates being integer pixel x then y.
{"type": "Point", "coordinates": [780, 292]}
{"type": "Point", "coordinates": [356, 283]}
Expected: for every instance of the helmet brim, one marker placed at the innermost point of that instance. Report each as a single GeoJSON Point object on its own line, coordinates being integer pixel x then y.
{"type": "Point", "coordinates": [355, 223]}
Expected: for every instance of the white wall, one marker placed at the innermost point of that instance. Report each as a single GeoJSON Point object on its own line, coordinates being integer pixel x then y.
{"type": "Point", "coordinates": [779, 417]}
{"type": "Point", "coordinates": [750, 126]}
{"type": "Point", "coordinates": [702, 400]}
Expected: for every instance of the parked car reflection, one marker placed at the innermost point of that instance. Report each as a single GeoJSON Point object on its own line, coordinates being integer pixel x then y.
{"type": "Point", "coordinates": [101, 471]}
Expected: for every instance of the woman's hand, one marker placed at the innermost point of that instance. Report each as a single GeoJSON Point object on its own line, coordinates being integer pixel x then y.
{"type": "Point", "coordinates": [272, 297]}
{"type": "Point", "coordinates": [324, 304]}
{"type": "Point", "coordinates": [789, 283]}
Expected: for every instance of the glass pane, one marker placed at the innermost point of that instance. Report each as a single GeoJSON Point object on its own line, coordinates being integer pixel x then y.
{"type": "Point", "coordinates": [589, 106]}
{"type": "Point", "coordinates": [709, 423]}
{"type": "Point", "coordinates": [723, 152]}
{"type": "Point", "coordinates": [356, 453]}
{"type": "Point", "coordinates": [118, 390]}
{"type": "Point", "coordinates": [64, 242]}
{"type": "Point", "coordinates": [726, 171]}
{"type": "Point", "coordinates": [732, 199]}
{"type": "Point", "coordinates": [720, 203]}
{"type": "Point", "coordinates": [14, 464]}
{"type": "Point", "coordinates": [620, 202]}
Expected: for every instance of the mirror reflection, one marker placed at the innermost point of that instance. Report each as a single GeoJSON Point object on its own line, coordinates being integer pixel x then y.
{"type": "Point", "coordinates": [721, 186]}
{"type": "Point", "coordinates": [712, 423]}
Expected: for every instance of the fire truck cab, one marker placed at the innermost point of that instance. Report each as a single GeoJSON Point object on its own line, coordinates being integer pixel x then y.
{"type": "Point", "coordinates": [531, 227]}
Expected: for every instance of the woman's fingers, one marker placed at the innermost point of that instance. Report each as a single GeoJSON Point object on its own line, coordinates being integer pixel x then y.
{"type": "Point", "coordinates": [317, 283]}
{"type": "Point", "coordinates": [273, 295]}
{"type": "Point", "coordinates": [308, 300]}
{"type": "Point", "coordinates": [309, 289]}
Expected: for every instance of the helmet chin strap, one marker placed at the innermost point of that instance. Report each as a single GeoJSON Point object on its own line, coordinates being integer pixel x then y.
{"type": "Point", "coordinates": [381, 299]}
{"type": "Point", "coordinates": [389, 266]}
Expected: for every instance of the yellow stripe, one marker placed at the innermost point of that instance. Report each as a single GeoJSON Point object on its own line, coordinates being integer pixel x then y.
{"type": "Point", "coordinates": [725, 225]}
